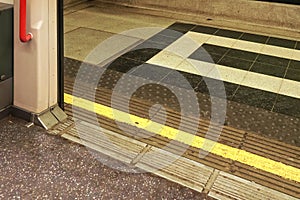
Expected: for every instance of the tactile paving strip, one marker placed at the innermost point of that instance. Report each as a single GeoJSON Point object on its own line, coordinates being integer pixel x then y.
{"type": "Point", "coordinates": [229, 136]}
{"type": "Point", "coordinates": [239, 139]}
{"type": "Point", "coordinates": [243, 189]}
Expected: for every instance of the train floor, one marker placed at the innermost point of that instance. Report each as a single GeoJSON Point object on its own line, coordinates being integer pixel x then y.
{"type": "Point", "coordinates": [215, 109]}
{"type": "Point", "coordinates": [36, 165]}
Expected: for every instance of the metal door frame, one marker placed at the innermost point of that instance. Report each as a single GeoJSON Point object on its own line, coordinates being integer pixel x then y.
{"type": "Point", "coordinates": [60, 52]}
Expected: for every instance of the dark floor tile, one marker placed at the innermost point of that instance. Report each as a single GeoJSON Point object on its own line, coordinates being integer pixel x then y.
{"type": "Point", "coordinates": [298, 45]}
{"type": "Point", "coordinates": [151, 72]}
{"type": "Point", "coordinates": [84, 72]}
{"type": "Point", "coordinates": [162, 39]}
{"type": "Point", "coordinates": [181, 27]}
{"type": "Point", "coordinates": [151, 45]}
{"type": "Point", "coordinates": [216, 88]}
{"type": "Point", "coordinates": [254, 38]}
{"type": "Point", "coordinates": [268, 69]}
{"type": "Point", "coordinates": [245, 55]}
{"type": "Point", "coordinates": [141, 55]}
{"type": "Point", "coordinates": [282, 42]}
{"type": "Point", "coordinates": [205, 29]}
{"type": "Point", "coordinates": [123, 65]}
{"type": "Point", "coordinates": [182, 80]}
{"type": "Point", "coordinates": [282, 62]}
{"type": "Point", "coordinates": [293, 74]}
{"type": "Point", "coordinates": [255, 97]}
{"type": "Point", "coordinates": [229, 33]}
{"type": "Point", "coordinates": [204, 55]}
{"type": "Point", "coordinates": [171, 33]}
{"type": "Point", "coordinates": [294, 64]}
{"type": "Point", "coordinates": [235, 62]}
{"type": "Point", "coordinates": [212, 58]}
{"type": "Point", "coordinates": [213, 49]}
{"type": "Point", "coordinates": [288, 106]}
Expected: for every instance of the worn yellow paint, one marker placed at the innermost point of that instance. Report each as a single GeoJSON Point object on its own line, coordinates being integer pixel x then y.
{"type": "Point", "coordinates": [225, 151]}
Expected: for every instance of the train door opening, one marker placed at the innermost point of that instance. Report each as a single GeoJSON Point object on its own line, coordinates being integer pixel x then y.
{"type": "Point", "coordinates": [181, 78]}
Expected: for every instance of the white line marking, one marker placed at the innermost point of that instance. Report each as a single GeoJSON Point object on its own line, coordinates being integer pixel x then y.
{"type": "Point", "coordinates": [248, 46]}
{"type": "Point", "coordinates": [273, 84]}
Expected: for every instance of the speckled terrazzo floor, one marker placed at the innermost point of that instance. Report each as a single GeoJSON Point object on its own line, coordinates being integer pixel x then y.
{"type": "Point", "coordinates": [35, 165]}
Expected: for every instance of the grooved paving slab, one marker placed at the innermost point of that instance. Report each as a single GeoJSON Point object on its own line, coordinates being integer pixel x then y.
{"type": "Point", "coordinates": [230, 187]}
{"type": "Point", "coordinates": [178, 169]}
{"type": "Point", "coordinates": [107, 142]}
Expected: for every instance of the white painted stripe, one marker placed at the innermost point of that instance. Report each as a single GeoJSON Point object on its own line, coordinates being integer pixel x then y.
{"type": "Point", "coordinates": [290, 88]}
{"type": "Point", "coordinates": [277, 51]}
{"type": "Point", "coordinates": [262, 82]}
{"type": "Point", "coordinates": [196, 67]}
{"type": "Point", "coordinates": [228, 74]}
{"type": "Point", "coordinates": [175, 57]}
{"type": "Point", "coordinates": [222, 41]}
{"type": "Point", "coordinates": [232, 75]}
{"type": "Point", "coordinates": [246, 78]}
{"type": "Point", "coordinates": [184, 46]}
{"type": "Point", "coordinates": [248, 46]}
{"type": "Point", "coordinates": [236, 76]}
{"type": "Point", "coordinates": [296, 55]}
{"type": "Point", "coordinates": [195, 36]}
{"type": "Point", "coordinates": [166, 59]}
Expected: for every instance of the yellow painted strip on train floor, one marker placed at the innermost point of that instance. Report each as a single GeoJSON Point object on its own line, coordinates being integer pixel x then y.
{"type": "Point", "coordinates": [256, 161]}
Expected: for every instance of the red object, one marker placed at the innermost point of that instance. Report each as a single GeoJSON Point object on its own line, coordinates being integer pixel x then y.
{"type": "Point", "coordinates": [24, 36]}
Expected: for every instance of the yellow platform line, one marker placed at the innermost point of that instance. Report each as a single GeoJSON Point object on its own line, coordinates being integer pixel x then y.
{"type": "Point", "coordinates": [250, 159]}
